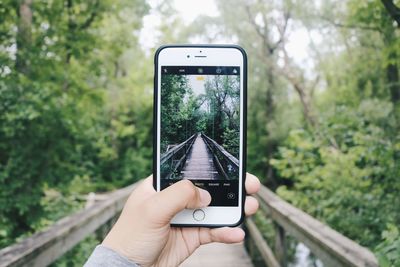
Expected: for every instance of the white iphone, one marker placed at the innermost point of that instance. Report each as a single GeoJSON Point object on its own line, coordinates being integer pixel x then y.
{"type": "Point", "coordinates": [200, 103]}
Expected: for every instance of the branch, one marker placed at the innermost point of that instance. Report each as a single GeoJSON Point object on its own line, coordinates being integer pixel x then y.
{"type": "Point", "coordinates": [72, 25]}
{"type": "Point", "coordinates": [305, 100]}
{"type": "Point", "coordinates": [314, 86]}
{"type": "Point", "coordinates": [282, 30]}
{"type": "Point", "coordinates": [350, 26]}
{"type": "Point", "coordinates": [264, 35]}
{"type": "Point", "coordinates": [254, 24]}
{"type": "Point", "coordinates": [393, 10]}
{"type": "Point", "coordinates": [299, 88]}
{"type": "Point", "coordinates": [91, 18]}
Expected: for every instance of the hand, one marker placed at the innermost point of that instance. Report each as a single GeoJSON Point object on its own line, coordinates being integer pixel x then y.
{"type": "Point", "coordinates": [143, 233]}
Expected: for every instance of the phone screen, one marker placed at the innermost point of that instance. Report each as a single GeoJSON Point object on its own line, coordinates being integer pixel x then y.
{"type": "Point", "coordinates": [200, 129]}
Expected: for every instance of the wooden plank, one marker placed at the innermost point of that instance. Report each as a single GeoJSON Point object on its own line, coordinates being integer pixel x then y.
{"type": "Point", "coordinates": [329, 246]}
{"type": "Point", "coordinates": [219, 255]}
{"type": "Point", "coordinates": [45, 247]}
{"type": "Point", "coordinates": [199, 163]}
{"type": "Point", "coordinates": [262, 246]}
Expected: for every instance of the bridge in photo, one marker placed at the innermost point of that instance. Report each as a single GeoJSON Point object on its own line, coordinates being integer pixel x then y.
{"type": "Point", "coordinates": [199, 157]}
{"type": "Point", "coordinates": [287, 222]}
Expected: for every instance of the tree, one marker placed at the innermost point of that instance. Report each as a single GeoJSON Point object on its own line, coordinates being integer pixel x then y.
{"type": "Point", "coordinates": [392, 67]}
{"type": "Point", "coordinates": [52, 138]}
{"type": "Point", "coordinates": [176, 124]}
{"type": "Point", "coordinates": [222, 96]}
{"type": "Point", "coordinates": [24, 35]}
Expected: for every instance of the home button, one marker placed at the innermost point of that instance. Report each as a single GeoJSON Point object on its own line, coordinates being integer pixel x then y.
{"type": "Point", "coordinates": [199, 215]}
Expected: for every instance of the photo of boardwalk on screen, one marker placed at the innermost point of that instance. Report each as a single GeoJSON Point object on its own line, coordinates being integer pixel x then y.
{"type": "Point", "coordinates": [200, 126]}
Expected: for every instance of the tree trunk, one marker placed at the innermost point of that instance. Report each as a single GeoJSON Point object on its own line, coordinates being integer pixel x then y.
{"type": "Point", "coordinates": [392, 68]}
{"type": "Point", "coordinates": [392, 73]}
{"type": "Point", "coordinates": [24, 35]}
{"type": "Point", "coordinates": [393, 10]}
{"type": "Point", "coordinates": [70, 32]}
{"type": "Point", "coordinates": [389, 37]}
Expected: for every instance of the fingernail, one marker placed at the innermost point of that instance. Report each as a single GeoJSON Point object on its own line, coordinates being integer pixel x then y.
{"type": "Point", "coordinates": [205, 197]}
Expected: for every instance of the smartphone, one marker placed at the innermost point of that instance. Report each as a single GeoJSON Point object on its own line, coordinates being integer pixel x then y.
{"type": "Point", "coordinates": [200, 107]}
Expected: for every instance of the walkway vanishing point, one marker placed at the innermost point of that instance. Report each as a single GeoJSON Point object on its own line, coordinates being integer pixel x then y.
{"type": "Point", "coordinates": [198, 158]}
{"type": "Point", "coordinates": [199, 163]}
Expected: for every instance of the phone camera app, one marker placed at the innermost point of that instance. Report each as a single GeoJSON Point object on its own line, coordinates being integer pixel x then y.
{"type": "Point", "coordinates": [200, 130]}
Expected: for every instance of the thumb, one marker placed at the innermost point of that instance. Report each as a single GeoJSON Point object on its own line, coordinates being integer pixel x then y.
{"type": "Point", "coordinates": [179, 196]}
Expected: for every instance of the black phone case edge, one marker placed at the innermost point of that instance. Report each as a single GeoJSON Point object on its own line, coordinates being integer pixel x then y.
{"type": "Point", "coordinates": [242, 216]}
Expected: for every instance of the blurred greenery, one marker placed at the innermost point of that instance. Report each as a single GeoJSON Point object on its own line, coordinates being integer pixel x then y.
{"type": "Point", "coordinates": [323, 121]}
{"type": "Point", "coordinates": [75, 110]}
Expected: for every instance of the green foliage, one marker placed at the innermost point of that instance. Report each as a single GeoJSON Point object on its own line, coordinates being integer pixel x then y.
{"type": "Point", "coordinates": [231, 141]}
{"type": "Point", "coordinates": [388, 251]}
{"type": "Point", "coordinates": [344, 170]}
{"type": "Point", "coordinates": [71, 122]}
{"type": "Point", "coordinates": [79, 254]}
{"type": "Point", "coordinates": [348, 176]}
{"type": "Point", "coordinates": [177, 122]}
{"type": "Point", "coordinates": [222, 96]}
{"type": "Point", "coordinates": [41, 143]}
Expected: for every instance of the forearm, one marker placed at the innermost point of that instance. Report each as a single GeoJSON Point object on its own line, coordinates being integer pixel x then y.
{"type": "Point", "coordinates": [105, 257]}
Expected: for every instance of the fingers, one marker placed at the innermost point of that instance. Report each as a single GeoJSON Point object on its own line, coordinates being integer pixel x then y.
{"type": "Point", "coordinates": [250, 206]}
{"type": "Point", "coordinates": [148, 181]}
{"type": "Point", "coordinates": [146, 186]}
{"type": "Point", "coordinates": [184, 194]}
{"type": "Point", "coordinates": [143, 191]}
{"type": "Point", "coordinates": [179, 196]}
{"type": "Point", "coordinates": [252, 184]}
{"type": "Point", "coordinates": [227, 235]}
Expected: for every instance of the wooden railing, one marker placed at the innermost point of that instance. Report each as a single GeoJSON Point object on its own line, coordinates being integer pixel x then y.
{"type": "Point", "coordinates": [45, 247]}
{"type": "Point", "coordinates": [172, 160]}
{"type": "Point", "coordinates": [226, 163]}
{"type": "Point", "coordinates": [329, 246]}
{"type": "Point", "coordinates": [332, 248]}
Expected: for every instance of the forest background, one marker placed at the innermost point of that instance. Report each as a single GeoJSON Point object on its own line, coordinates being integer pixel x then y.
{"type": "Point", "coordinates": [76, 106]}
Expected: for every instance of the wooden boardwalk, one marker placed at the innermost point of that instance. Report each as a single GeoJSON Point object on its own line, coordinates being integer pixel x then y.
{"type": "Point", "coordinates": [332, 248]}
{"type": "Point", "coordinates": [199, 164]}
{"type": "Point", "coordinates": [219, 255]}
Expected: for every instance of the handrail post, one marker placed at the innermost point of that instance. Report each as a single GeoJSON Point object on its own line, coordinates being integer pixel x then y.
{"type": "Point", "coordinates": [280, 245]}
